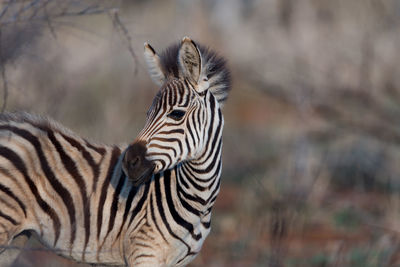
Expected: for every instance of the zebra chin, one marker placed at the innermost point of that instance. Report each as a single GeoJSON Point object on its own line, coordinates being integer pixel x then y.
{"type": "Point", "coordinates": [136, 166]}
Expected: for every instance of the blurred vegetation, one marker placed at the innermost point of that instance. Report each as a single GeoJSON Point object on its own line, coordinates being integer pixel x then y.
{"type": "Point", "coordinates": [312, 133]}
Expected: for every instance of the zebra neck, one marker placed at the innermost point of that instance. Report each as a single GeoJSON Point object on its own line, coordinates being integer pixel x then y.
{"type": "Point", "coordinates": [201, 178]}
{"type": "Point", "coordinates": [207, 167]}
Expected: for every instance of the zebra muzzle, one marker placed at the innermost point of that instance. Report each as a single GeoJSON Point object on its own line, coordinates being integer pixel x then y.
{"type": "Point", "coordinates": [135, 164]}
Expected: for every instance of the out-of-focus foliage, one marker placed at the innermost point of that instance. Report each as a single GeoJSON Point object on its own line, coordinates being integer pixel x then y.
{"type": "Point", "coordinates": [312, 133]}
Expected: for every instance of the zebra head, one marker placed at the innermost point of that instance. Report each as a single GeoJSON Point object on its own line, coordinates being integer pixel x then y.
{"type": "Point", "coordinates": [185, 114]}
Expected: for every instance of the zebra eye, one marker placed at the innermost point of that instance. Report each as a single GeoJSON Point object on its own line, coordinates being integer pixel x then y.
{"type": "Point", "coordinates": [176, 114]}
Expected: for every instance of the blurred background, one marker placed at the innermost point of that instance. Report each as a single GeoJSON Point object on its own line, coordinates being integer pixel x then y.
{"type": "Point", "coordinates": [311, 173]}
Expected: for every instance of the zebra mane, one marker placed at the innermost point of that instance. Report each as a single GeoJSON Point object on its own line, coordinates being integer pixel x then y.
{"type": "Point", "coordinates": [40, 121]}
{"type": "Point", "coordinates": [213, 65]}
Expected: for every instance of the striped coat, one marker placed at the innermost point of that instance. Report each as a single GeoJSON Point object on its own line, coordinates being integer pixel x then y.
{"type": "Point", "coordinates": [147, 203]}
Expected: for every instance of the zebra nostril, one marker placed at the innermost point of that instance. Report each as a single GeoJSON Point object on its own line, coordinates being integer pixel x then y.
{"type": "Point", "coordinates": [134, 163]}
{"type": "Point", "coordinates": [134, 160]}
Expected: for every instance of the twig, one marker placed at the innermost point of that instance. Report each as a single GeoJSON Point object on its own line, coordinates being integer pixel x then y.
{"type": "Point", "coordinates": [38, 7]}
{"type": "Point", "coordinates": [34, 9]}
{"type": "Point", "coordinates": [3, 12]}
{"type": "Point", "coordinates": [46, 12]}
{"type": "Point", "coordinates": [49, 24]}
{"type": "Point", "coordinates": [88, 9]}
{"type": "Point", "coordinates": [383, 122]}
{"type": "Point", "coordinates": [5, 88]}
{"type": "Point", "coordinates": [64, 14]}
{"type": "Point", "coordinates": [27, 7]}
{"type": "Point", "coordinates": [125, 33]}
{"type": "Point", "coordinates": [3, 76]}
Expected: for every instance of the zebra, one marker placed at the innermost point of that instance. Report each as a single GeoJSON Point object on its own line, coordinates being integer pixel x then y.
{"type": "Point", "coordinates": [144, 203]}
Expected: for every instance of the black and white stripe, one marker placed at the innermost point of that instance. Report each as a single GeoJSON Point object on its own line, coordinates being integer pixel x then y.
{"type": "Point", "coordinates": [145, 204]}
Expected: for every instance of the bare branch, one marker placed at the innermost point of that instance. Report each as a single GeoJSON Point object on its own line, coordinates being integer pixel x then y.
{"type": "Point", "coordinates": [36, 10]}
{"type": "Point", "coordinates": [3, 11]}
{"type": "Point", "coordinates": [5, 88]}
{"type": "Point", "coordinates": [49, 23]}
{"type": "Point", "coordinates": [125, 33]}
{"type": "Point", "coordinates": [3, 76]}
{"type": "Point", "coordinates": [22, 21]}
{"type": "Point", "coordinates": [341, 108]}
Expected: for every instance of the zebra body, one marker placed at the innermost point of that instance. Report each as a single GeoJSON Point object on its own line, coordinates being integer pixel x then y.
{"type": "Point", "coordinates": [143, 204]}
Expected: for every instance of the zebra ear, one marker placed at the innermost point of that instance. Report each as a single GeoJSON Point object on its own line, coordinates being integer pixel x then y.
{"type": "Point", "coordinates": [190, 64]}
{"type": "Point", "coordinates": [154, 65]}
